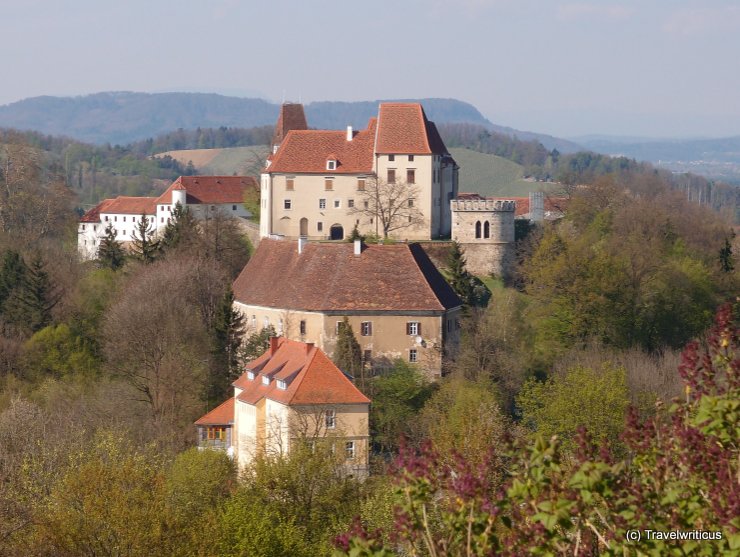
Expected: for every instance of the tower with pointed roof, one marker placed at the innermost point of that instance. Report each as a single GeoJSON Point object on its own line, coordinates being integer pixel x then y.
{"type": "Point", "coordinates": [314, 181]}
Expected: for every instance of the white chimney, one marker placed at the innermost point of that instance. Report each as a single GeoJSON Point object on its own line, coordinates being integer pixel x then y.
{"type": "Point", "coordinates": [302, 241]}
{"type": "Point", "coordinates": [358, 247]}
{"type": "Point", "coordinates": [349, 133]}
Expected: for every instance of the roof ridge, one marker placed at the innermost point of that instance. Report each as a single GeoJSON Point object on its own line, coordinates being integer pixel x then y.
{"type": "Point", "coordinates": [424, 123]}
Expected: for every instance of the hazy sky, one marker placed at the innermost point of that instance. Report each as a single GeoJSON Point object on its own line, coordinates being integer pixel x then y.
{"type": "Point", "coordinates": [636, 67]}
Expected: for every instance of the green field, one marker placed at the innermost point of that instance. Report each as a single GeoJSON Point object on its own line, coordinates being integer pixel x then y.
{"type": "Point", "coordinates": [493, 176]}
{"type": "Point", "coordinates": [237, 160]}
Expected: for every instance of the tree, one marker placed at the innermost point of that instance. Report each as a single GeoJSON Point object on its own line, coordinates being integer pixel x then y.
{"type": "Point", "coordinates": [144, 245]}
{"type": "Point", "coordinates": [393, 205]}
{"type": "Point", "coordinates": [12, 273]}
{"type": "Point", "coordinates": [110, 250]}
{"type": "Point", "coordinates": [181, 230]}
{"type": "Point", "coordinates": [257, 343]}
{"type": "Point", "coordinates": [459, 278]}
{"type": "Point", "coordinates": [725, 257]}
{"type": "Point", "coordinates": [29, 307]}
{"type": "Point", "coordinates": [224, 240]}
{"type": "Point", "coordinates": [347, 353]}
{"type": "Point", "coordinates": [228, 332]}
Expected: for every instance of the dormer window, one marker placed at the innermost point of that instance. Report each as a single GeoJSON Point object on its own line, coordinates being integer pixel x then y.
{"type": "Point", "coordinates": [250, 375]}
{"type": "Point", "coordinates": [281, 384]}
{"type": "Point", "coordinates": [331, 164]}
{"type": "Point", "coordinates": [265, 380]}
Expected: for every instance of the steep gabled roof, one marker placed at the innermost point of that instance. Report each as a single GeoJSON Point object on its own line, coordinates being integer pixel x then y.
{"type": "Point", "coordinates": [329, 277]}
{"type": "Point", "coordinates": [223, 414]}
{"type": "Point", "coordinates": [310, 377]}
{"type": "Point", "coordinates": [307, 152]}
{"type": "Point", "coordinates": [292, 117]}
{"type": "Point", "coordinates": [210, 189]}
{"type": "Point", "coordinates": [403, 128]}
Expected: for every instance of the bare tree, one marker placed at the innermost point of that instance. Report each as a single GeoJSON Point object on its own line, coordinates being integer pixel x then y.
{"type": "Point", "coordinates": [393, 205]}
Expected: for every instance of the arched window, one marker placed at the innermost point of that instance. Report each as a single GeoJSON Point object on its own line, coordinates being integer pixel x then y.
{"type": "Point", "coordinates": [477, 229]}
{"type": "Point", "coordinates": [486, 230]}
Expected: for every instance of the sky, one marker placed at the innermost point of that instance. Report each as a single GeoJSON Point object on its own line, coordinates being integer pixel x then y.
{"type": "Point", "coordinates": [650, 68]}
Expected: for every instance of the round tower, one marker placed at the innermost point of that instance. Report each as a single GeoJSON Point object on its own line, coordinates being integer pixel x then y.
{"type": "Point", "coordinates": [179, 195]}
{"type": "Point", "coordinates": [484, 228]}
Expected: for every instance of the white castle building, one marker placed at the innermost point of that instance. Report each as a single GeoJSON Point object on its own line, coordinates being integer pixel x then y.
{"type": "Point", "coordinates": [203, 195]}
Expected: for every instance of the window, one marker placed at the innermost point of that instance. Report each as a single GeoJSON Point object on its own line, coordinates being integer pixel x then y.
{"type": "Point", "coordinates": [322, 203]}
{"type": "Point", "coordinates": [486, 230]}
{"type": "Point", "coordinates": [250, 375]}
{"type": "Point", "coordinates": [349, 450]}
{"type": "Point", "coordinates": [115, 219]}
{"type": "Point", "coordinates": [360, 184]}
{"type": "Point", "coordinates": [391, 175]}
{"type": "Point", "coordinates": [287, 204]}
{"type": "Point", "coordinates": [337, 203]}
{"type": "Point", "coordinates": [413, 328]}
{"type": "Point", "coordinates": [331, 419]}
{"type": "Point", "coordinates": [280, 327]}
{"type": "Point", "coordinates": [449, 325]}
{"type": "Point", "coordinates": [281, 385]}
{"type": "Point", "coordinates": [216, 433]}
{"type": "Point", "coordinates": [477, 229]}
{"type": "Point", "coordinates": [289, 184]}
{"type": "Point", "coordinates": [350, 203]}
{"type": "Point", "coordinates": [366, 328]}
{"type": "Point", "coordinates": [161, 219]}
{"type": "Point", "coordinates": [133, 219]}
{"type": "Point", "coordinates": [412, 355]}
{"type": "Point", "coordinates": [233, 207]}
{"type": "Point", "coordinates": [106, 218]}
{"type": "Point", "coordinates": [83, 227]}
{"type": "Point", "coordinates": [254, 321]}
{"type": "Point", "coordinates": [124, 219]}
{"type": "Point", "coordinates": [391, 158]}
{"type": "Point", "coordinates": [411, 158]}
{"type": "Point", "coordinates": [303, 327]}
{"type": "Point", "coordinates": [95, 228]}
{"type": "Point", "coordinates": [411, 201]}
{"type": "Point", "coordinates": [265, 322]}
{"type": "Point", "coordinates": [319, 226]}
{"type": "Point", "coordinates": [411, 176]}
{"type": "Point", "coordinates": [329, 184]}
{"type": "Point", "coordinates": [366, 204]}
{"type": "Point", "coordinates": [331, 164]}
{"type": "Point", "coordinates": [169, 208]}
{"type": "Point", "coordinates": [265, 380]}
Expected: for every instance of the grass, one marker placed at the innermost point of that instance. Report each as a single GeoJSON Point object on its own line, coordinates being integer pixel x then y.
{"type": "Point", "coordinates": [493, 176]}
{"type": "Point", "coordinates": [224, 162]}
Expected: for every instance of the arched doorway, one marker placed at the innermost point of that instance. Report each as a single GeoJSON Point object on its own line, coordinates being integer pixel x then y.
{"type": "Point", "coordinates": [336, 232]}
{"type": "Point", "coordinates": [304, 226]}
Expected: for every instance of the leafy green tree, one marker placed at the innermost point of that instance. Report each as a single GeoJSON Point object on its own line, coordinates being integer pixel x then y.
{"type": "Point", "coordinates": [181, 230]}
{"type": "Point", "coordinates": [257, 343]}
{"type": "Point", "coordinates": [144, 245]}
{"type": "Point", "coordinates": [110, 251]}
{"type": "Point", "coordinates": [397, 397]}
{"type": "Point", "coordinates": [582, 397]}
{"type": "Point", "coordinates": [347, 353]}
{"type": "Point", "coordinates": [56, 351]}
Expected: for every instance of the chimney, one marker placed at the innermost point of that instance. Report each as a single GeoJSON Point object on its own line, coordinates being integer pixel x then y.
{"type": "Point", "coordinates": [358, 247]}
{"type": "Point", "coordinates": [302, 241]}
{"type": "Point", "coordinates": [273, 345]}
{"type": "Point", "coordinates": [349, 133]}
{"type": "Point", "coordinates": [309, 347]}
{"type": "Point", "coordinates": [536, 206]}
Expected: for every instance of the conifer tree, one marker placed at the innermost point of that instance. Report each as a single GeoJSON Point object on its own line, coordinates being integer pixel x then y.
{"type": "Point", "coordinates": [258, 343]}
{"type": "Point", "coordinates": [180, 230]}
{"type": "Point", "coordinates": [228, 333]}
{"type": "Point", "coordinates": [725, 257]}
{"type": "Point", "coordinates": [460, 280]}
{"type": "Point", "coordinates": [12, 271]}
{"type": "Point", "coordinates": [348, 354]}
{"type": "Point", "coordinates": [144, 245]}
{"type": "Point", "coordinates": [355, 235]}
{"type": "Point", "coordinates": [29, 307]}
{"type": "Point", "coordinates": [110, 251]}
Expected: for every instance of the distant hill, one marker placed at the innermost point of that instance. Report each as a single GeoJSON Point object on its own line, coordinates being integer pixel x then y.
{"type": "Point", "coordinates": [493, 176]}
{"type": "Point", "coordinates": [713, 158]}
{"type": "Point", "coordinates": [123, 117]}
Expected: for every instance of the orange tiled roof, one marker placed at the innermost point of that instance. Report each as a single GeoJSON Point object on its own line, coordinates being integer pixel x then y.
{"type": "Point", "coordinates": [308, 150]}
{"type": "Point", "coordinates": [552, 204]}
{"type": "Point", "coordinates": [329, 277]}
{"type": "Point", "coordinates": [223, 414]}
{"type": "Point", "coordinates": [403, 128]}
{"type": "Point", "coordinates": [93, 215]}
{"type": "Point", "coordinates": [210, 189]}
{"type": "Point", "coordinates": [130, 205]}
{"type": "Point", "coordinates": [310, 377]}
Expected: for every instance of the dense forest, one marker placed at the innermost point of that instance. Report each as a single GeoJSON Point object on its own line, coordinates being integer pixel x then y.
{"type": "Point", "coordinates": [596, 396]}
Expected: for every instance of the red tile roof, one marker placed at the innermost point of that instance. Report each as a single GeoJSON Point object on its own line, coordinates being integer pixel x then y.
{"type": "Point", "coordinates": [223, 414]}
{"type": "Point", "coordinates": [552, 204]}
{"type": "Point", "coordinates": [403, 128]}
{"type": "Point", "coordinates": [121, 205]}
{"type": "Point", "coordinates": [310, 377]}
{"type": "Point", "coordinates": [93, 215]}
{"type": "Point", "coordinates": [292, 117]}
{"type": "Point", "coordinates": [210, 189]}
{"type": "Point", "coordinates": [329, 277]}
{"type": "Point", "coordinates": [307, 152]}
